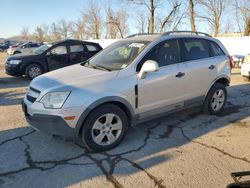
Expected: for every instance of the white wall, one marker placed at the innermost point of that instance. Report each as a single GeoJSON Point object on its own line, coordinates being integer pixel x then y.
{"type": "Point", "coordinates": [236, 45]}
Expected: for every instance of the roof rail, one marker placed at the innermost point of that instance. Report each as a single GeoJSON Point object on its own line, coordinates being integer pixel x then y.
{"type": "Point", "coordinates": [139, 34]}
{"type": "Point", "coordinates": [188, 32]}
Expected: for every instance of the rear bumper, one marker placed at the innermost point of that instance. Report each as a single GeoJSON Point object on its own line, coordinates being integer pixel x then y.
{"type": "Point", "coordinates": [49, 124]}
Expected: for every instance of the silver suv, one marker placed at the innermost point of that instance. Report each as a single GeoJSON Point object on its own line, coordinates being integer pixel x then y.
{"type": "Point", "coordinates": [131, 81]}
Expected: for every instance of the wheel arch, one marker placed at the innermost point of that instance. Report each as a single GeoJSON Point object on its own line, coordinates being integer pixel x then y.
{"type": "Point", "coordinates": [225, 80]}
{"type": "Point", "coordinates": [118, 101]}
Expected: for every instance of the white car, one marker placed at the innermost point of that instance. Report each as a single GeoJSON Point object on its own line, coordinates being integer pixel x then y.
{"type": "Point", "coordinates": [27, 47]}
{"type": "Point", "coordinates": [245, 68]}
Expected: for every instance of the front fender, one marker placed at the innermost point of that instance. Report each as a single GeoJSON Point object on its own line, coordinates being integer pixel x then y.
{"type": "Point", "coordinates": [97, 103]}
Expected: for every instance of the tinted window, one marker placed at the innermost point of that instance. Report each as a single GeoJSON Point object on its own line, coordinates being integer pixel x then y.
{"type": "Point", "coordinates": [76, 48]}
{"type": "Point", "coordinates": [91, 48]}
{"type": "Point", "coordinates": [59, 50]}
{"type": "Point", "coordinates": [194, 49]}
{"type": "Point", "coordinates": [33, 45]}
{"type": "Point", "coordinates": [165, 53]}
{"type": "Point", "coordinates": [216, 50]}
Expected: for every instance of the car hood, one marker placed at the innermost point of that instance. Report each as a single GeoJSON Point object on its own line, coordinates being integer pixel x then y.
{"type": "Point", "coordinates": [70, 78]}
{"type": "Point", "coordinates": [21, 56]}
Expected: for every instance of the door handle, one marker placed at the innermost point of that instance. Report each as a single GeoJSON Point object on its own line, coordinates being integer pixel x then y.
{"type": "Point", "coordinates": [211, 67]}
{"type": "Point", "coordinates": [180, 74]}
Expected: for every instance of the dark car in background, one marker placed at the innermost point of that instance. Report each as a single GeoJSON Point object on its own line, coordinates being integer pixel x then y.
{"type": "Point", "coordinates": [3, 47]}
{"type": "Point", "coordinates": [50, 56]}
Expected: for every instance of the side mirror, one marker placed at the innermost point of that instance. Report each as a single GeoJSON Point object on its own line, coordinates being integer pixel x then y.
{"type": "Point", "coordinates": [148, 66]}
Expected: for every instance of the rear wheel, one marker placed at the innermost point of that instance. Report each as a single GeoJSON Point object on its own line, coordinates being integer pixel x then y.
{"type": "Point", "coordinates": [216, 99]}
{"type": "Point", "coordinates": [33, 71]}
{"type": "Point", "coordinates": [104, 128]}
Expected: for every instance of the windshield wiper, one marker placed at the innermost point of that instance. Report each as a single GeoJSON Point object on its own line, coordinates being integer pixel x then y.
{"type": "Point", "coordinates": [101, 67]}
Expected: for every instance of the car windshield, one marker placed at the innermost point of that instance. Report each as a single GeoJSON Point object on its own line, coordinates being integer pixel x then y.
{"type": "Point", "coordinates": [42, 48]}
{"type": "Point", "coordinates": [117, 56]}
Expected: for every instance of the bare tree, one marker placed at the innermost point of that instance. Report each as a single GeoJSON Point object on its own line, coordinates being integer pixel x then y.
{"type": "Point", "coordinates": [151, 6]}
{"type": "Point", "coordinates": [65, 28]}
{"type": "Point", "coordinates": [25, 34]}
{"type": "Point", "coordinates": [41, 33]}
{"type": "Point", "coordinates": [55, 32]}
{"type": "Point", "coordinates": [191, 15]}
{"type": "Point", "coordinates": [213, 12]}
{"type": "Point", "coordinates": [92, 21]}
{"type": "Point", "coordinates": [141, 22]}
{"type": "Point", "coordinates": [170, 16]}
{"type": "Point", "coordinates": [111, 27]}
{"type": "Point", "coordinates": [118, 23]}
{"type": "Point", "coordinates": [79, 30]}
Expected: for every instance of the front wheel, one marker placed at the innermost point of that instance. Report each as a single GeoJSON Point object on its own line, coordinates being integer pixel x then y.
{"type": "Point", "coordinates": [33, 71]}
{"type": "Point", "coordinates": [216, 99]}
{"type": "Point", "coordinates": [104, 128]}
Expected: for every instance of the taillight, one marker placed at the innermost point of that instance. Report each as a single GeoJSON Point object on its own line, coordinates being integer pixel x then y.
{"type": "Point", "coordinates": [230, 61]}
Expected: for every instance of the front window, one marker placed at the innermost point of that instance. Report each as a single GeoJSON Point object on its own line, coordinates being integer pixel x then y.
{"type": "Point", "coordinates": [117, 56]}
{"type": "Point", "coordinates": [42, 48]}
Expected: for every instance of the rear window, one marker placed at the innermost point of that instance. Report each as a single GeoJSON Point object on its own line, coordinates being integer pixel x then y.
{"type": "Point", "coordinates": [216, 50]}
{"type": "Point", "coordinates": [194, 49]}
{"type": "Point", "coordinates": [92, 48]}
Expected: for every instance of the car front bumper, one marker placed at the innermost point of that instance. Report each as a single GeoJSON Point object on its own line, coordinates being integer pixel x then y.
{"type": "Point", "coordinates": [12, 70]}
{"type": "Point", "coordinates": [50, 124]}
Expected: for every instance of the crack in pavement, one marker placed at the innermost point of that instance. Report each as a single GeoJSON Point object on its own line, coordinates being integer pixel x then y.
{"type": "Point", "coordinates": [212, 147]}
{"type": "Point", "coordinates": [111, 159]}
{"type": "Point", "coordinates": [17, 137]}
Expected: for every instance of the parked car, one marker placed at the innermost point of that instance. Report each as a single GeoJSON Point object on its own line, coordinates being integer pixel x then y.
{"type": "Point", "coordinates": [3, 47]}
{"type": "Point", "coordinates": [238, 60]}
{"type": "Point", "coordinates": [245, 68]}
{"type": "Point", "coordinates": [49, 57]}
{"type": "Point", "coordinates": [131, 81]}
{"type": "Point", "coordinates": [23, 48]}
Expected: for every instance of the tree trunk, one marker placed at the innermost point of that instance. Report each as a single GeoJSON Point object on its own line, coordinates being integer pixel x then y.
{"type": "Point", "coordinates": [152, 17]}
{"type": "Point", "coordinates": [247, 28]}
{"type": "Point", "coordinates": [191, 14]}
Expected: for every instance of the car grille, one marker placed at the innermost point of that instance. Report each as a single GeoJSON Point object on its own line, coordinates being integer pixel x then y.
{"type": "Point", "coordinates": [32, 94]}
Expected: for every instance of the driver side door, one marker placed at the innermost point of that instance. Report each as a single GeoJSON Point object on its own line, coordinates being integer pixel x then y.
{"type": "Point", "coordinates": [58, 57]}
{"type": "Point", "coordinates": [163, 90]}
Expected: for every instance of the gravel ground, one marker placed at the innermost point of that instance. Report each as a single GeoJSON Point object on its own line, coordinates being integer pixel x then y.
{"type": "Point", "coordinates": [187, 149]}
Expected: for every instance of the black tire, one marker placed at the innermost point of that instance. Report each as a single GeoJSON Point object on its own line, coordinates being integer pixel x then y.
{"type": "Point", "coordinates": [207, 105]}
{"type": "Point", "coordinates": [246, 78]}
{"type": "Point", "coordinates": [35, 67]}
{"type": "Point", "coordinates": [87, 131]}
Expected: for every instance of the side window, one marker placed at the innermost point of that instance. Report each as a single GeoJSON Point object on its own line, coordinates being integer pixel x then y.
{"type": "Point", "coordinates": [216, 50]}
{"type": "Point", "coordinates": [76, 48]}
{"type": "Point", "coordinates": [91, 48]}
{"type": "Point", "coordinates": [59, 50]}
{"type": "Point", "coordinates": [33, 45]}
{"type": "Point", "coordinates": [164, 53]}
{"type": "Point", "coordinates": [194, 49]}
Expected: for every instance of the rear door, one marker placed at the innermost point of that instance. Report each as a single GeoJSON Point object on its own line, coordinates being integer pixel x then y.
{"type": "Point", "coordinates": [163, 90]}
{"type": "Point", "coordinates": [201, 67]}
{"type": "Point", "coordinates": [58, 57]}
{"type": "Point", "coordinates": [77, 53]}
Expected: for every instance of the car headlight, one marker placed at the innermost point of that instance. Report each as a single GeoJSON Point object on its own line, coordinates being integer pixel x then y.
{"type": "Point", "coordinates": [15, 62]}
{"type": "Point", "coordinates": [54, 99]}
